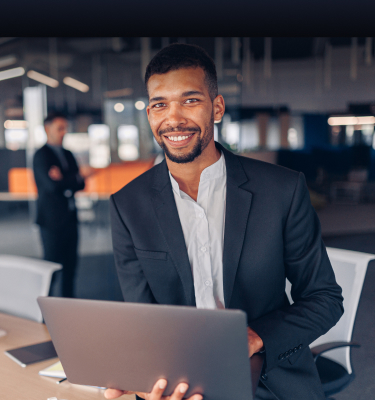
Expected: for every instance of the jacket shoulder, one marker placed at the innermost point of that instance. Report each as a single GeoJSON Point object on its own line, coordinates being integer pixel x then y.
{"type": "Point", "coordinates": [40, 151]}
{"type": "Point", "coordinates": [41, 154]}
{"type": "Point", "coordinates": [269, 179]}
{"type": "Point", "coordinates": [252, 165]}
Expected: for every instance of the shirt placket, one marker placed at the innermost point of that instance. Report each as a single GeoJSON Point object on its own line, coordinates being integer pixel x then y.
{"type": "Point", "coordinates": [203, 246]}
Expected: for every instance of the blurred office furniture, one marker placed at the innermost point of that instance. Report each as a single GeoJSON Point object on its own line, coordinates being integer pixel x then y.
{"type": "Point", "coordinates": [86, 206]}
{"type": "Point", "coordinates": [335, 369]}
{"type": "Point", "coordinates": [22, 280]}
{"type": "Point", "coordinates": [352, 190]}
{"type": "Point", "coordinates": [21, 183]}
{"type": "Point", "coordinates": [10, 159]}
{"type": "Point", "coordinates": [26, 383]}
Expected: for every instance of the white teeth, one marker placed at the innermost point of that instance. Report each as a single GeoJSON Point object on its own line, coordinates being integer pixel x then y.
{"type": "Point", "coordinates": [178, 138]}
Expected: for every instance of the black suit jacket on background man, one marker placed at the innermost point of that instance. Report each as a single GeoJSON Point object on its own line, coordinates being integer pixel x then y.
{"type": "Point", "coordinates": [271, 233]}
{"type": "Point", "coordinates": [56, 213]}
{"type": "Point", "coordinates": [53, 196]}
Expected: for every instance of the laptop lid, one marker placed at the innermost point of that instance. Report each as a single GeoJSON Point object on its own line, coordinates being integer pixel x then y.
{"type": "Point", "coordinates": [130, 346]}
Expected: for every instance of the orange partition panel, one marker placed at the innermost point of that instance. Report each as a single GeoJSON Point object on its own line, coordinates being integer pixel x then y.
{"type": "Point", "coordinates": [111, 179]}
{"type": "Point", "coordinates": [99, 182]}
{"type": "Point", "coordinates": [21, 180]}
{"type": "Point", "coordinates": [122, 174]}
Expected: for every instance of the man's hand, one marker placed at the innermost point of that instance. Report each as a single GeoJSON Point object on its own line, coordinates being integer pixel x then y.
{"type": "Point", "coordinates": [156, 393]}
{"type": "Point", "coordinates": [254, 341]}
{"type": "Point", "coordinates": [86, 171]}
{"type": "Point", "coordinates": [55, 174]}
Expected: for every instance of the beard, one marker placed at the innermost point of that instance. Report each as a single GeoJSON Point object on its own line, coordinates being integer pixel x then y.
{"type": "Point", "coordinates": [201, 143]}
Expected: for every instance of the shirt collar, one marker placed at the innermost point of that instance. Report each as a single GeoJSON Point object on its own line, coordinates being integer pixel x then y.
{"type": "Point", "coordinates": [214, 171]}
{"type": "Point", "coordinates": [55, 147]}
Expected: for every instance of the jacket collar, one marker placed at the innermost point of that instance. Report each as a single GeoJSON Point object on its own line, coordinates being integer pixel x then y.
{"type": "Point", "coordinates": [235, 171]}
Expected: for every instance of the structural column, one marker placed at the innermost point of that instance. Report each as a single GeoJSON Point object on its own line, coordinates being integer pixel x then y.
{"type": "Point", "coordinates": [284, 120]}
{"type": "Point", "coordinates": [262, 121]}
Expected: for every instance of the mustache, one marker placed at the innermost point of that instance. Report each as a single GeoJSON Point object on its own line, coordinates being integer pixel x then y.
{"type": "Point", "coordinates": [171, 130]}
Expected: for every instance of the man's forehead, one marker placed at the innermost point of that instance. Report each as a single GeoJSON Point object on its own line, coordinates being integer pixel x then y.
{"type": "Point", "coordinates": [180, 80]}
{"type": "Point", "coordinates": [60, 120]}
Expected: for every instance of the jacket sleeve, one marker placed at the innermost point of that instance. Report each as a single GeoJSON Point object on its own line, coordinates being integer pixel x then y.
{"type": "Point", "coordinates": [71, 179]}
{"type": "Point", "coordinates": [133, 283]}
{"type": "Point", "coordinates": [317, 297]}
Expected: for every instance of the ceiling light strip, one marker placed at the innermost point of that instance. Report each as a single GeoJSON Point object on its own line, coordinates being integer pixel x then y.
{"type": "Point", "coordinates": [46, 80]}
{"type": "Point", "coordinates": [11, 73]}
{"type": "Point", "coordinates": [336, 121]}
{"type": "Point", "coordinates": [82, 87]}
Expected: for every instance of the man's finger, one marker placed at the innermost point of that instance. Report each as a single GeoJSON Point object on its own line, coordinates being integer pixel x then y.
{"type": "Point", "coordinates": [180, 391]}
{"type": "Point", "coordinates": [158, 390]}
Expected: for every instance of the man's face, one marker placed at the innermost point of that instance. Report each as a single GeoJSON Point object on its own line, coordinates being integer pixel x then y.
{"type": "Point", "coordinates": [56, 131]}
{"type": "Point", "coordinates": [181, 113]}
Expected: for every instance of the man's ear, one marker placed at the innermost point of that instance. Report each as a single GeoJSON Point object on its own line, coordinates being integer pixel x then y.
{"type": "Point", "coordinates": [219, 108]}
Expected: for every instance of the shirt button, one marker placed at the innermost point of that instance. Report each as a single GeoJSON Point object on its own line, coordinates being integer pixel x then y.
{"type": "Point", "coordinates": [200, 215]}
{"type": "Point", "coordinates": [203, 249]}
{"type": "Point", "coordinates": [207, 283]}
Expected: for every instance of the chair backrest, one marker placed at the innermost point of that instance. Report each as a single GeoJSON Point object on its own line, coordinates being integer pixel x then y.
{"type": "Point", "coordinates": [350, 269]}
{"type": "Point", "coordinates": [22, 280]}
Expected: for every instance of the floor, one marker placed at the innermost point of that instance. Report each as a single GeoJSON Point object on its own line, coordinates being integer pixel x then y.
{"type": "Point", "coordinates": [343, 226]}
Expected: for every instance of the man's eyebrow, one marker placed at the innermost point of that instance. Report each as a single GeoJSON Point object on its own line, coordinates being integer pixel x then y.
{"type": "Point", "coordinates": [156, 99]}
{"type": "Point", "coordinates": [184, 94]}
{"type": "Point", "coordinates": [192, 92]}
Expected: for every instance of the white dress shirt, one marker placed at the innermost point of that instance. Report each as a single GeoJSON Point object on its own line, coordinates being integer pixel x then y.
{"type": "Point", "coordinates": [203, 227]}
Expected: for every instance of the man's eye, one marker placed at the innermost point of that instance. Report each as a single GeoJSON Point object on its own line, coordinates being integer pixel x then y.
{"type": "Point", "coordinates": [189, 101]}
{"type": "Point", "coordinates": [158, 105]}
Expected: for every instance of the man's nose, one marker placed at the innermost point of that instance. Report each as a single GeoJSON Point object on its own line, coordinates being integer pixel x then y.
{"type": "Point", "coordinates": [175, 116]}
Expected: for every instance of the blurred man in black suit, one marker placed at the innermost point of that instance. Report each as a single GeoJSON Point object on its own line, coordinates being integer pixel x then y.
{"type": "Point", "coordinates": [57, 178]}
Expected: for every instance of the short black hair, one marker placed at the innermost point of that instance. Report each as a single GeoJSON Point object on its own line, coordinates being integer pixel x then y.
{"type": "Point", "coordinates": [179, 55]}
{"type": "Point", "coordinates": [52, 116]}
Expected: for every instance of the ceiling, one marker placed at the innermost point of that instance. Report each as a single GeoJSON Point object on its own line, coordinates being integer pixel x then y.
{"type": "Point", "coordinates": [109, 64]}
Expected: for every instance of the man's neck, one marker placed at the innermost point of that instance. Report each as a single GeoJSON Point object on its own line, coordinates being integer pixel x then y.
{"type": "Point", "coordinates": [54, 144]}
{"type": "Point", "coordinates": [187, 175]}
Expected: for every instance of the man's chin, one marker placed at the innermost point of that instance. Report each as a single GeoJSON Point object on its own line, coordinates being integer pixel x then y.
{"type": "Point", "coordinates": [180, 157]}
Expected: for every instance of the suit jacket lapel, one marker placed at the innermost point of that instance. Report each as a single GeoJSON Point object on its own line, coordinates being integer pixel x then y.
{"type": "Point", "coordinates": [170, 225]}
{"type": "Point", "coordinates": [238, 202]}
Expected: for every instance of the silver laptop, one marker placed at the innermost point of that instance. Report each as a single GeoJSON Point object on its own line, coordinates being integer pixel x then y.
{"type": "Point", "coordinates": [130, 346]}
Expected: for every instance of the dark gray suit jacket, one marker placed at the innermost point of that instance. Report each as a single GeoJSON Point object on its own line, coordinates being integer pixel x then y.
{"type": "Point", "coordinates": [271, 233]}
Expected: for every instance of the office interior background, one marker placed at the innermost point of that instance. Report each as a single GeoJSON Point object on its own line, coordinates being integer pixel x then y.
{"type": "Point", "coordinates": [304, 103]}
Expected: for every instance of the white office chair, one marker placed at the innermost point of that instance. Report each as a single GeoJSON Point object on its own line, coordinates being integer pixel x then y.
{"type": "Point", "coordinates": [22, 280]}
{"type": "Point", "coordinates": [335, 368]}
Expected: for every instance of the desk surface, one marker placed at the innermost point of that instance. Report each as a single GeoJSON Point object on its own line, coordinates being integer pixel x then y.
{"type": "Point", "coordinates": [19, 383]}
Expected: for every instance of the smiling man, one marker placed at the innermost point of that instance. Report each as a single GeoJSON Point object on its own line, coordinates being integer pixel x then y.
{"type": "Point", "coordinates": [210, 229]}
